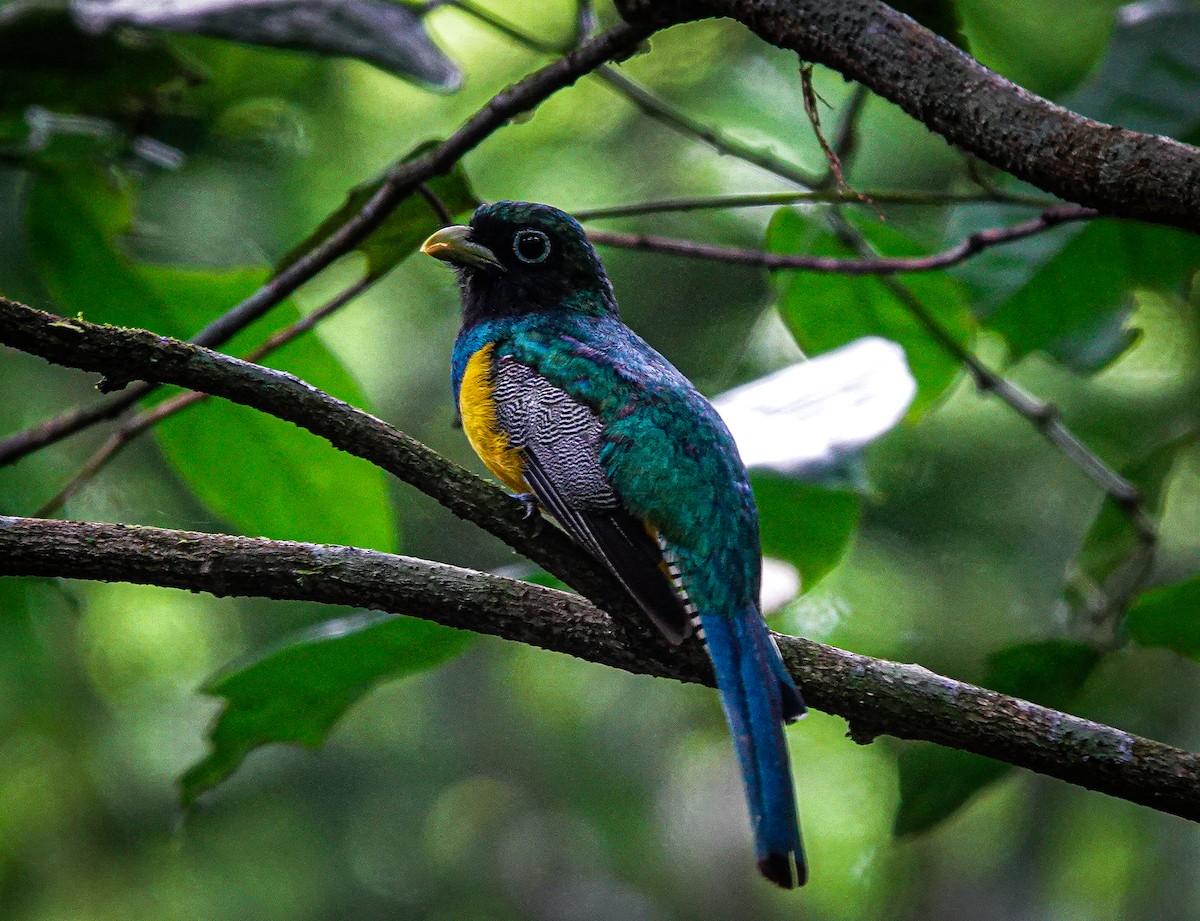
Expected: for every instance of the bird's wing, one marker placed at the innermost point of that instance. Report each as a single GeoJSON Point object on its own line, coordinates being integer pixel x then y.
{"type": "Point", "coordinates": [560, 440]}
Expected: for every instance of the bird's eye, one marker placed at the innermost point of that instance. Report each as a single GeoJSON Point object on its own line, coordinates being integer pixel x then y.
{"type": "Point", "coordinates": [531, 246]}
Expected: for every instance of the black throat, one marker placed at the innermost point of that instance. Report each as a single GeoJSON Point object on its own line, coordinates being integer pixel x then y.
{"type": "Point", "coordinates": [489, 294]}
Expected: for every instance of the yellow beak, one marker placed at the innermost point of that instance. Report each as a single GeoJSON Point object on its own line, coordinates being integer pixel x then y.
{"type": "Point", "coordinates": [453, 244]}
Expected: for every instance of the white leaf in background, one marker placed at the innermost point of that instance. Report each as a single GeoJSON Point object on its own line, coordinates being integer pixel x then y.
{"type": "Point", "coordinates": [780, 584]}
{"type": "Point", "coordinates": [807, 419]}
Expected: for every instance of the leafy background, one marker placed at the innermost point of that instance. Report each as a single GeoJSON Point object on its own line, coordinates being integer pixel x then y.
{"type": "Point", "coordinates": [153, 180]}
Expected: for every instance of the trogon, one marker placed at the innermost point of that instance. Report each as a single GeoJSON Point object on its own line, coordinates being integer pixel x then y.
{"type": "Point", "coordinates": [570, 409]}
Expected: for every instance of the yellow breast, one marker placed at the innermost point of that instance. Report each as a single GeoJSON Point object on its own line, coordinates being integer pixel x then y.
{"type": "Point", "coordinates": [478, 410]}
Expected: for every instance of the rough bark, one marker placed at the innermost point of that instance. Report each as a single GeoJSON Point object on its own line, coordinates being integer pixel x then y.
{"type": "Point", "coordinates": [876, 696]}
{"type": "Point", "coordinates": [1117, 171]}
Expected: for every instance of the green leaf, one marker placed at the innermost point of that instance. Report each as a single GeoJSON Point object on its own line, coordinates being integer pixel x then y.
{"type": "Point", "coordinates": [938, 16]}
{"type": "Point", "coordinates": [1070, 302]}
{"type": "Point", "coordinates": [825, 311]}
{"type": "Point", "coordinates": [1168, 618]}
{"type": "Point", "coordinates": [263, 475]}
{"type": "Point", "coordinates": [403, 230]}
{"type": "Point", "coordinates": [295, 692]}
{"type": "Point", "coordinates": [936, 782]}
{"type": "Point", "coordinates": [26, 660]}
{"type": "Point", "coordinates": [1150, 80]}
{"type": "Point", "coordinates": [1068, 293]}
{"type": "Point", "coordinates": [1111, 540]}
{"type": "Point", "coordinates": [1024, 39]}
{"type": "Point", "coordinates": [1049, 673]}
{"type": "Point", "coordinates": [73, 221]}
{"type": "Point", "coordinates": [809, 526]}
{"type": "Point", "coordinates": [379, 32]}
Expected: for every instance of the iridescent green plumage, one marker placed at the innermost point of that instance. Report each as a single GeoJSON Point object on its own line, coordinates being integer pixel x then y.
{"type": "Point", "coordinates": [636, 465]}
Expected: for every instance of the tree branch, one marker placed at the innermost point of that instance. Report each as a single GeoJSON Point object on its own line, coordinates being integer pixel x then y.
{"type": "Point", "coordinates": [139, 355]}
{"type": "Point", "coordinates": [1118, 171]}
{"type": "Point", "coordinates": [960, 252]}
{"type": "Point", "coordinates": [875, 696]}
{"type": "Point", "coordinates": [402, 180]}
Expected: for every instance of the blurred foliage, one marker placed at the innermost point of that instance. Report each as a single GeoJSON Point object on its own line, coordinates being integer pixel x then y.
{"type": "Point", "coordinates": [1023, 39]}
{"type": "Point", "coordinates": [299, 689]}
{"type": "Point", "coordinates": [1156, 618]}
{"type": "Point", "coordinates": [154, 179]}
{"type": "Point", "coordinates": [403, 230]}
{"type": "Point", "coordinates": [807, 525]}
{"type": "Point", "coordinates": [1144, 82]}
{"type": "Point", "coordinates": [827, 311]}
{"type": "Point", "coordinates": [50, 65]}
{"type": "Point", "coordinates": [1074, 304]}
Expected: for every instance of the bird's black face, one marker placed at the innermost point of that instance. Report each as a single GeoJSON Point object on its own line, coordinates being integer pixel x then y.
{"type": "Point", "coordinates": [518, 257]}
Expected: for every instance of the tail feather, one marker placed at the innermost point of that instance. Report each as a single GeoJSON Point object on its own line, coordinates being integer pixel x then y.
{"type": "Point", "coordinates": [791, 701]}
{"type": "Point", "coordinates": [759, 696]}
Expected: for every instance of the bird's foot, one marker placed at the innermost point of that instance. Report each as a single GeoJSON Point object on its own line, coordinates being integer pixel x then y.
{"type": "Point", "coordinates": [529, 504]}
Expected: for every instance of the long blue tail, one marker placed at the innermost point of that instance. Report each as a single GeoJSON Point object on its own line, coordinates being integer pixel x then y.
{"type": "Point", "coordinates": [759, 697]}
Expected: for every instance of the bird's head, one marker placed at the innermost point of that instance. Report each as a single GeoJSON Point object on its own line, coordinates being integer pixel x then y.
{"type": "Point", "coordinates": [517, 257]}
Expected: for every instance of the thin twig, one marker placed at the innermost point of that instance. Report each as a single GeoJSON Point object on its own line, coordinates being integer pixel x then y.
{"type": "Point", "coordinates": [532, 42]}
{"type": "Point", "coordinates": [1042, 414]}
{"type": "Point", "coordinates": [808, 94]}
{"type": "Point", "coordinates": [438, 206]}
{"type": "Point", "coordinates": [401, 181]}
{"type": "Point", "coordinates": [676, 118]}
{"type": "Point", "coordinates": [872, 265]}
{"type": "Point", "coordinates": [655, 106]}
{"type": "Point", "coordinates": [135, 425]}
{"type": "Point", "coordinates": [1121, 172]}
{"type": "Point", "coordinates": [585, 20]}
{"type": "Point", "coordinates": [845, 141]}
{"type": "Point", "coordinates": [775, 199]}
{"type": "Point", "coordinates": [975, 172]}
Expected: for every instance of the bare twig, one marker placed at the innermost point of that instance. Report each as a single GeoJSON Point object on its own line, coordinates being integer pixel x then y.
{"type": "Point", "coordinates": [401, 181]}
{"type": "Point", "coordinates": [674, 117]}
{"type": "Point", "coordinates": [434, 202]}
{"type": "Point", "coordinates": [808, 93]}
{"type": "Point", "coordinates": [585, 20]}
{"type": "Point", "coordinates": [819, 196]}
{"type": "Point", "coordinates": [873, 265]}
{"type": "Point", "coordinates": [1043, 415]}
{"type": "Point", "coordinates": [845, 142]}
{"type": "Point", "coordinates": [506, 28]}
{"type": "Point", "coordinates": [655, 106]}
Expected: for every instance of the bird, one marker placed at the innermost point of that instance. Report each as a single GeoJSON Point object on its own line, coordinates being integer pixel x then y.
{"type": "Point", "coordinates": [578, 416]}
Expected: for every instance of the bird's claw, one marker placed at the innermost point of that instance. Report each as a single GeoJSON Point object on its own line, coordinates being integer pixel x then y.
{"type": "Point", "coordinates": [529, 505]}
